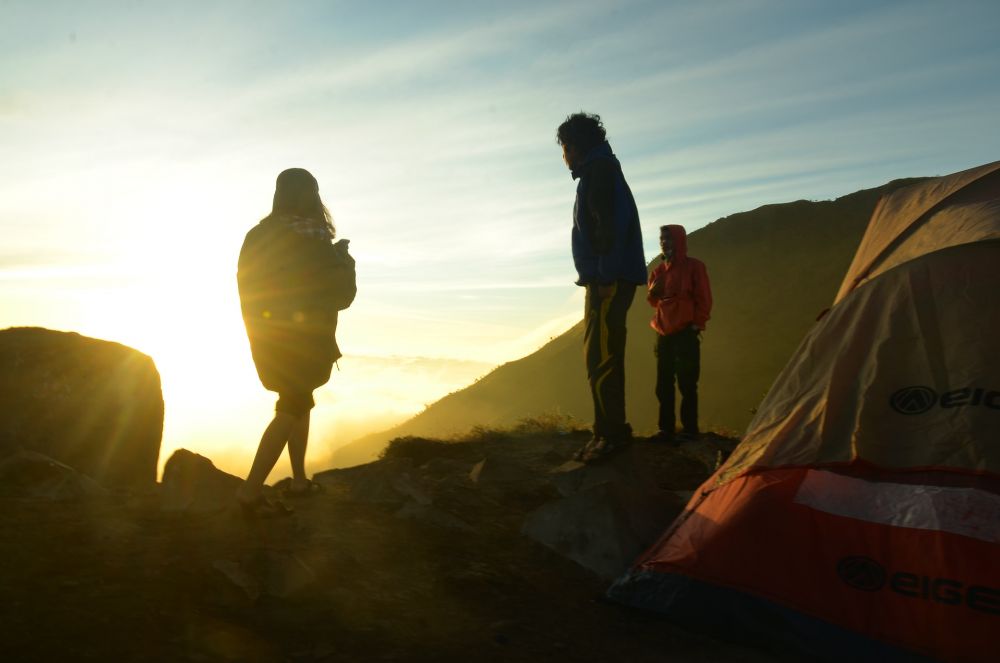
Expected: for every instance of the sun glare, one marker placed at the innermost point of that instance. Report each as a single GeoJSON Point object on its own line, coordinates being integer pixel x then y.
{"type": "Point", "coordinates": [174, 298]}
{"type": "Point", "coordinates": [160, 276]}
{"type": "Point", "coordinates": [185, 314]}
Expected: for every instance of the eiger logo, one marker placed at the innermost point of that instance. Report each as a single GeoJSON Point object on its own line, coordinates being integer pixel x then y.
{"type": "Point", "coordinates": [861, 573]}
{"type": "Point", "coordinates": [913, 400]}
{"type": "Point", "coordinates": [919, 399]}
{"type": "Point", "coordinates": [868, 575]}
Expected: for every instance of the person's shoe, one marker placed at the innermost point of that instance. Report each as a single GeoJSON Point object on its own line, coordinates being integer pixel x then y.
{"type": "Point", "coordinates": [584, 451]}
{"type": "Point", "coordinates": [689, 436]}
{"type": "Point", "coordinates": [605, 447]}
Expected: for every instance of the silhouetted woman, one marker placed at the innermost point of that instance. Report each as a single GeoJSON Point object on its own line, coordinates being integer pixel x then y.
{"type": "Point", "coordinates": [292, 280]}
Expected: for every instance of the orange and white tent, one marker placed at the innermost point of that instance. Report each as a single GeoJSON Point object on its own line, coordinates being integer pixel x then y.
{"type": "Point", "coordinates": [859, 518]}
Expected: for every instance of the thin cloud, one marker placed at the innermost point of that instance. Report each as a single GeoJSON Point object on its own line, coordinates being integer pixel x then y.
{"type": "Point", "coordinates": [435, 149]}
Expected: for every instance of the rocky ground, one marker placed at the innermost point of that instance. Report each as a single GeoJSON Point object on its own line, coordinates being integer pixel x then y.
{"type": "Point", "coordinates": [432, 553]}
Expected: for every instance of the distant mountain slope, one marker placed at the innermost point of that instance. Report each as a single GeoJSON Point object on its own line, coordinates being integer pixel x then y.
{"type": "Point", "coordinates": [772, 270]}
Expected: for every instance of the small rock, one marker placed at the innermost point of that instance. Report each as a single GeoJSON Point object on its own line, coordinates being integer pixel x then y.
{"type": "Point", "coordinates": [191, 482]}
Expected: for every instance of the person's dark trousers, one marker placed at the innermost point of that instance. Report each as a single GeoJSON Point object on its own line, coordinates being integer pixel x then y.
{"type": "Point", "coordinates": [678, 356]}
{"type": "Point", "coordinates": [604, 347]}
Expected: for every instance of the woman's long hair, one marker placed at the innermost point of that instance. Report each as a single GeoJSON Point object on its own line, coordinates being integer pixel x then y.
{"type": "Point", "coordinates": [296, 193]}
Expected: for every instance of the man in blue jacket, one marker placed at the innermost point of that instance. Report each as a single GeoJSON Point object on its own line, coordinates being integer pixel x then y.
{"type": "Point", "coordinates": [607, 251]}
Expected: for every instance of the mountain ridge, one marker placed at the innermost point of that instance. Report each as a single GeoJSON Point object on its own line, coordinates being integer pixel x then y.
{"type": "Point", "coordinates": [773, 269]}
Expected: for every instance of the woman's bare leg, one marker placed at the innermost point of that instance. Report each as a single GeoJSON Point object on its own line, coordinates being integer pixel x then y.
{"type": "Point", "coordinates": [272, 443]}
{"type": "Point", "coordinates": [298, 438]}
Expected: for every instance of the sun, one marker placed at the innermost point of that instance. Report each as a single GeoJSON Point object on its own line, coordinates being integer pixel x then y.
{"type": "Point", "coordinates": [173, 296]}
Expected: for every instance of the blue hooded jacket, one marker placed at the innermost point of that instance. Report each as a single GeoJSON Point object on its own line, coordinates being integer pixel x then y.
{"type": "Point", "coordinates": [607, 239]}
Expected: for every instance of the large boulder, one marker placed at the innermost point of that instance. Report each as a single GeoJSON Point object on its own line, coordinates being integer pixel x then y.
{"type": "Point", "coordinates": [90, 404]}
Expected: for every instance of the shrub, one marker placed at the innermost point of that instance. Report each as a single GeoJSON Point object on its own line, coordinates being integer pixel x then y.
{"type": "Point", "coordinates": [417, 449]}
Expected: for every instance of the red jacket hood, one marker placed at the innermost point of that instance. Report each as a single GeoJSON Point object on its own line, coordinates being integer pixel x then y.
{"type": "Point", "coordinates": [679, 236]}
{"type": "Point", "coordinates": [679, 289]}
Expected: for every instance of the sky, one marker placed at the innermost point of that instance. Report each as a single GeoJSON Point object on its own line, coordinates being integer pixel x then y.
{"type": "Point", "coordinates": [141, 140]}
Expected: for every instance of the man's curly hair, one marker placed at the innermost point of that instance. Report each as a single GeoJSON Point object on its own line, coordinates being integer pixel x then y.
{"type": "Point", "coordinates": [583, 131]}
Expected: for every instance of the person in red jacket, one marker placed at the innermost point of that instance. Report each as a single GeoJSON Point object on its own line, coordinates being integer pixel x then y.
{"type": "Point", "coordinates": [680, 292]}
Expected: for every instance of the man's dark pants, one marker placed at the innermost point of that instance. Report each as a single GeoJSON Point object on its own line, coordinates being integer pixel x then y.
{"type": "Point", "coordinates": [678, 355]}
{"type": "Point", "coordinates": [604, 347]}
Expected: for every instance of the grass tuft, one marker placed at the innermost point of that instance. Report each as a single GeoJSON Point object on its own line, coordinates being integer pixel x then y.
{"type": "Point", "coordinates": [417, 449]}
{"type": "Point", "coordinates": [422, 449]}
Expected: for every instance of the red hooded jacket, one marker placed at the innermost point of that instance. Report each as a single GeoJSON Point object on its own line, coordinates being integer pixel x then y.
{"type": "Point", "coordinates": [684, 294]}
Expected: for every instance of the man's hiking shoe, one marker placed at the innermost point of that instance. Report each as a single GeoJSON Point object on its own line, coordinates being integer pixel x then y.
{"type": "Point", "coordinates": [605, 447]}
{"type": "Point", "coordinates": [663, 437]}
{"type": "Point", "coordinates": [581, 455]}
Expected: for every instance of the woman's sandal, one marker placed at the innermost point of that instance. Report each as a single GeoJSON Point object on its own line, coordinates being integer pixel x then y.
{"type": "Point", "coordinates": [262, 507]}
{"type": "Point", "coordinates": [311, 489]}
